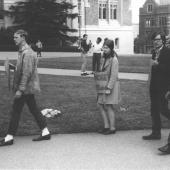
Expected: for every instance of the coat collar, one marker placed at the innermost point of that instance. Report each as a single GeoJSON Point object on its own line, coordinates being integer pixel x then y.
{"type": "Point", "coordinates": [23, 48]}
{"type": "Point", "coordinates": [105, 64]}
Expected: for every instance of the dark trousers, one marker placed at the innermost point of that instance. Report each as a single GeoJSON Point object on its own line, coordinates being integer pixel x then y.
{"type": "Point", "coordinates": [158, 105]}
{"type": "Point", "coordinates": [17, 109]}
{"type": "Point", "coordinates": [39, 52]}
{"type": "Point", "coordinates": [96, 61]}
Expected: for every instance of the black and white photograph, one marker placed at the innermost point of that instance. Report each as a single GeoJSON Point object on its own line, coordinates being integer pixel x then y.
{"type": "Point", "coordinates": [84, 84]}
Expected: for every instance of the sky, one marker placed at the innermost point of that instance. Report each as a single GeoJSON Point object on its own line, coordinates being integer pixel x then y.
{"type": "Point", "coordinates": [135, 5]}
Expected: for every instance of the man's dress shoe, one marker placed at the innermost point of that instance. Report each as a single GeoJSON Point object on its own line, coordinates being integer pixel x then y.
{"type": "Point", "coordinates": [165, 149]}
{"type": "Point", "coordinates": [40, 138]}
{"type": "Point", "coordinates": [152, 136]}
{"type": "Point", "coordinates": [3, 143]}
{"type": "Point", "coordinates": [102, 131]}
{"type": "Point", "coordinates": [109, 132]}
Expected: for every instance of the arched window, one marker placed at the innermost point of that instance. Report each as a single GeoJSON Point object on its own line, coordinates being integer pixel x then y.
{"type": "Point", "coordinates": [149, 8]}
{"type": "Point", "coordinates": [102, 9]}
{"type": "Point", "coordinates": [113, 11]}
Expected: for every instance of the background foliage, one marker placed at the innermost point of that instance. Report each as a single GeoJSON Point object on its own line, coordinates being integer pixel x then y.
{"type": "Point", "coordinates": [46, 20]}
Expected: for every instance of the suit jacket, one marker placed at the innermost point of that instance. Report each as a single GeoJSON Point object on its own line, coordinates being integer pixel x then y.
{"type": "Point", "coordinates": [26, 77]}
{"type": "Point", "coordinates": [160, 74]}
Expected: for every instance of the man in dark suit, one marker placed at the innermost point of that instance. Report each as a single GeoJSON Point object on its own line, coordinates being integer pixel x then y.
{"type": "Point", "coordinates": [159, 85]}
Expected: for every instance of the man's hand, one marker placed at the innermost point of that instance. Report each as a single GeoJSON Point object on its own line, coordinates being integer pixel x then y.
{"type": "Point", "coordinates": [154, 62]}
{"type": "Point", "coordinates": [11, 66]}
{"type": "Point", "coordinates": [167, 95]}
{"type": "Point", "coordinates": [18, 94]}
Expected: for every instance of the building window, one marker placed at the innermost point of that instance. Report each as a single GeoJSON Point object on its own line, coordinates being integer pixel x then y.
{"type": "Point", "coordinates": [79, 13]}
{"type": "Point", "coordinates": [150, 22]}
{"type": "Point", "coordinates": [113, 11]}
{"type": "Point", "coordinates": [149, 8]}
{"type": "Point", "coordinates": [116, 43]}
{"type": "Point", "coordinates": [153, 22]}
{"type": "Point", "coordinates": [162, 21]}
{"type": "Point", "coordinates": [102, 10]}
{"type": "Point", "coordinates": [147, 22]}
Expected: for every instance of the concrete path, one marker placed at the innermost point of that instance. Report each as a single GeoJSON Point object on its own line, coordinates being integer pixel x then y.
{"type": "Point", "coordinates": [124, 150]}
{"type": "Point", "coordinates": [64, 72]}
{"type": "Point", "coordinates": [13, 55]}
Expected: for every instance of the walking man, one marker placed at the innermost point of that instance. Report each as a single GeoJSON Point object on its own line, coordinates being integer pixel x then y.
{"type": "Point", "coordinates": [159, 85]}
{"type": "Point", "coordinates": [26, 84]}
{"type": "Point", "coordinates": [84, 50]}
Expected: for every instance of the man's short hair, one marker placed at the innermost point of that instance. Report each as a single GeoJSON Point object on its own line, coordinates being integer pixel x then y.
{"type": "Point", "coordinates": [22, 33]}
{"type": "Point", "coordinates": [105, 39]}
{"type": "Point", "coordinates": [84, 35]}
{"type": "Point", "coordinates": [163, 37]}
{"type": "Point", "coordinates": [99, 39]}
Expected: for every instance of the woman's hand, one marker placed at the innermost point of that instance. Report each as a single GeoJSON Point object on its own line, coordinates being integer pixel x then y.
{"type": "Point", "coordinates": [108, 90]}
{"type": "Point", "coordinates": [18, 94]}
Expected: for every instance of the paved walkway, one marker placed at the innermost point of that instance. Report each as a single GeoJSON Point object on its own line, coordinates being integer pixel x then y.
{"type": "Point", "coordinates": [86, 151]}
{"type": "Point", "coordinates": [13, 55]}
{"type": "Point", "coordinates": [64, 72]}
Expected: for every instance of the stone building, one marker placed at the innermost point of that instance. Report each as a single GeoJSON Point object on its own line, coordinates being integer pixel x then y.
{"type": "Point", "coordinates": [106, 18]}
{"type": "Point", "coordinates": [154, 16]}
{"type": "Point", "coordinates": [99, 18]}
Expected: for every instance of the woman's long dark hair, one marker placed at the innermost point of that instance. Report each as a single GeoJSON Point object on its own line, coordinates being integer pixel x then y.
{"type": "Point", "coordinates": [110, 43]}
{"type": "Point", "coordinates": [112, 54]}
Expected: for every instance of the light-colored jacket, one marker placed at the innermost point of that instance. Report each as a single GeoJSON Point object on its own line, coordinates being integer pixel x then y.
{"type": "Point", "coordinates": [111, 67]}
{"type": "Point", "coordinates": [97, 48]}
{"type": "Point", "coordinates": [26, 76]}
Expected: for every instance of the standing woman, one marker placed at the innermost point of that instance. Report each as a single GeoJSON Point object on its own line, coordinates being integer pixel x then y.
{"type": "Point", "coordinates": [108, 100]}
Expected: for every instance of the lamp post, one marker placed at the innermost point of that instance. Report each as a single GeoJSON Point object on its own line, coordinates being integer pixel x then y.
{"type": "Point", "coordinates": [79, 18]}
{"type": "Point", "coordinates": [85, 15]}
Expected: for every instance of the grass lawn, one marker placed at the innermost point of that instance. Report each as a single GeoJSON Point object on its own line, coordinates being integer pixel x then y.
{"type": "Point", "coordinates": [76, 98]}
{"type": "Point", "coordinates": [127, 64]}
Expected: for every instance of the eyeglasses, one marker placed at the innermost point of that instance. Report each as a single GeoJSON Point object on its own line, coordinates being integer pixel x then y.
{"type": "Point", "coordinates": [157, 39]}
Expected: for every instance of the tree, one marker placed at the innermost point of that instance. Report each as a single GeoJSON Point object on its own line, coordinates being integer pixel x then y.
{"type": "Point", "coordinates": [43, 19]}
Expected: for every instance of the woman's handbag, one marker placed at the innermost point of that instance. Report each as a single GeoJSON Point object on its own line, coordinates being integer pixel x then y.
{"type": "Point", "coordinates": [101, 81]}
